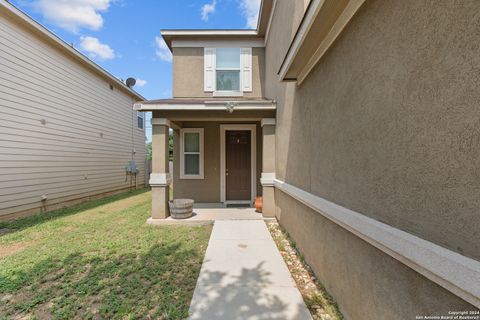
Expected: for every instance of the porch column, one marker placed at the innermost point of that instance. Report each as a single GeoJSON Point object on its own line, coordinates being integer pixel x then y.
{"type": "Point", "coordinates": [268, 167]}
{"type": "Point", "coordinates": [160, 177]}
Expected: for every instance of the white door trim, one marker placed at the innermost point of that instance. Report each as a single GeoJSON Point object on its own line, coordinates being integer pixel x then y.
{"type": "Point", "coordinates": [253, 153]}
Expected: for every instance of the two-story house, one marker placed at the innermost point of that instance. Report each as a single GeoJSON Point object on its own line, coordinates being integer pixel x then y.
{"type": "Point", "coordinates": [358, 123]}
{"type": "Point", "coordinates": [223, 126]}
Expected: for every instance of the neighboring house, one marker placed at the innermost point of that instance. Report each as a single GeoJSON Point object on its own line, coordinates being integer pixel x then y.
{"type": "Point", "coordinates": [67, 128]}
{"type": "Point", "coordinates": [358, 122]}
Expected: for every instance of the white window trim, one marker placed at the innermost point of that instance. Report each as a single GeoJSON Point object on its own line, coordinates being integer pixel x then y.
{"type": "Point", "coordinates": [227, 93]}
{"type": "Point", "coordinates": [182, 154]}
{"type": "Point", "coordinates": [211, 71]}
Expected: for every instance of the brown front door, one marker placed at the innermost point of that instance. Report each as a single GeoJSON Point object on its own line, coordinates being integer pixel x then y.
{"type": "Point", "coordinates": [238, 165]}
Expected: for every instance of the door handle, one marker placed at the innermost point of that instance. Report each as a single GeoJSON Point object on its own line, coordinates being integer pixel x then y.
{"type": "Point", "coordinates": [226, 172]}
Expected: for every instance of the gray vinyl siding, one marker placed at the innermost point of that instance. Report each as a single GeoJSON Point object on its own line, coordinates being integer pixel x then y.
{"type": "Point", "coordinates": [63, 131]}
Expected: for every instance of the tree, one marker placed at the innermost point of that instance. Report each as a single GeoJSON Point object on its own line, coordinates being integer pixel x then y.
{"type": "Point", "coordinates": [170, 145]}
{"type": "Point", "coordinates": [148, 151]}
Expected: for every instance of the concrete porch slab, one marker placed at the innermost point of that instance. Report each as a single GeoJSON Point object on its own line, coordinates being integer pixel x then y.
{"type": "Point", "coordinates": [203, 216]}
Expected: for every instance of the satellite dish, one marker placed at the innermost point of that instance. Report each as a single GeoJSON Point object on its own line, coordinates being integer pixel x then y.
{"type": "Point", "coordinates": [130, 82]}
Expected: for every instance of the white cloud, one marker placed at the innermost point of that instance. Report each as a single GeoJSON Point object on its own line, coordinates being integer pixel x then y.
{"type": "Point", "coordinates": [73, 14]}
{"type": "Point", "coordinates": [250, 10]}
{"type": "Point", "coordinates": [94, 48]}
{"type": "Point", "coordinates": [141, 82]}
{"type": "Point", "coordinates": [162, 50]}
{"type": "Point", "coordinates": [207, 9]}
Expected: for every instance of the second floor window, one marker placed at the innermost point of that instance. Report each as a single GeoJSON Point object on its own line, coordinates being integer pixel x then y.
{"type": "Point", "coordinates": [228, 69]}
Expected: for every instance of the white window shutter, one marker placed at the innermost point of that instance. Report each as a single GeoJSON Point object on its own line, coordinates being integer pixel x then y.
{"type": "Point", "coordinates": [209, 70]}
{"type": "Point", "coordinates": [246, 69]}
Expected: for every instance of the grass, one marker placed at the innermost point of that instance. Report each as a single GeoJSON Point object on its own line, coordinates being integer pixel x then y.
{"type": "Point", "coordinates": [99, 260]}
{"type": "Point", "coordinates": [320, 303]}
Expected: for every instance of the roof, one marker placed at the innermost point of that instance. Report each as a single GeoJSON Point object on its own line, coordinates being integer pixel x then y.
{"type": "Point", "coordinates": [321, 24]}
{"type": "Point", "coordinates": [25, 20]}
{"type": "Point", "coordinates": [209, 32]}
{"type": "Point", "coordinates": [183, 34]}
{"type": "Point", "coordinates": [217, 34]}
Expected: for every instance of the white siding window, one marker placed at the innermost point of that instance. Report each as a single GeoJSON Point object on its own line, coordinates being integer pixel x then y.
{"type": "Point", "coordinates": [140, 120]}
{"type": "Point", "coordinates": [228, 71]}
{"type": "Point", "coordinates": [191, 153]}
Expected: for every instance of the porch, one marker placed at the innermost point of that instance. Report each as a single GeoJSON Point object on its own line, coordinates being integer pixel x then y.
{"type": "Point", "coordinates": [224, 156]}
{"type": "Point", "coordinates": [206, 216]}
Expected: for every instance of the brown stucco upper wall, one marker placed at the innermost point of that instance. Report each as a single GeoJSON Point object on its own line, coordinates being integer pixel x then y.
{"type": "Point", "coordinates": [388, 119]}
{"type": "Point", "coordinates": [188, 76]}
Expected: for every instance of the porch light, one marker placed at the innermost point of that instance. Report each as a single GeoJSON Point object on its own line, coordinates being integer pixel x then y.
{"type": "Point", "coordinates": [230, 106]}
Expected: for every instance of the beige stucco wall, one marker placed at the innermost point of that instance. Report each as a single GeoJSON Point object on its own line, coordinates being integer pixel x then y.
{"type": "Point", "coordinates": [65, 134]}
{"type": "Point", "coordinates": [268, 163]}
{"type": "Point", "coordinates": [207, 190]}
{"type": "Point", "coordinates": [389, 123]}
{"type": "Point", "coordinates": [188, 64]}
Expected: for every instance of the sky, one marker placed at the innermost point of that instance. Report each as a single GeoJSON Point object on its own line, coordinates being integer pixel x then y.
{"type": "Point", "coordinates": [123, 36]}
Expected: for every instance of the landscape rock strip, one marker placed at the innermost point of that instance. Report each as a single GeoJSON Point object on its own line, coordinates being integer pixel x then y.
{"type": "Point", "coordinates": [243, 276]}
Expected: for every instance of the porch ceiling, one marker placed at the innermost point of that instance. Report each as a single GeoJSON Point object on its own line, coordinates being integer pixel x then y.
{"type": "Point", "coordinates": [209, 109]}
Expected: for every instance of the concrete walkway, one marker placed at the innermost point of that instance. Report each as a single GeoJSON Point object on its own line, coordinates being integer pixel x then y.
{"type": "Point", "coordinates": [243, 276]}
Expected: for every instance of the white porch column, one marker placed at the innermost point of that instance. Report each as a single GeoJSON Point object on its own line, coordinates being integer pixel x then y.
{"type": "Point", "coordinates": [160, 177]}
{"type": "Point", "coordinates": [268, 167]}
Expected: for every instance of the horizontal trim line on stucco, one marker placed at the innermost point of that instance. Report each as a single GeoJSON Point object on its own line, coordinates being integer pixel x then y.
{"type": "Point", "coordinates": [268, 122]}
{"type": "Point", "coordinates": [160, 122]}
{"type": "Point", "coordinates": [173, 107]}
{"type": "Point", "coordinates": [454, 272]}
{"type": "Point", "coordinates": [160, 179]}
{"type": "Point", "coordinates": [267, 179]}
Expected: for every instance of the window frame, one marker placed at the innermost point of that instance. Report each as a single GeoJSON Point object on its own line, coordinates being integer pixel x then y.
{"type": "Point", "coordinates": [201, 153]}
{"type": "Point", "coordinates": [239, 69]}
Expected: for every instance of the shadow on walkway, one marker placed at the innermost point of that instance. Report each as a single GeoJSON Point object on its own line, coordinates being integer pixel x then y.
{"type": "Point", "coordinates": [249, 295]}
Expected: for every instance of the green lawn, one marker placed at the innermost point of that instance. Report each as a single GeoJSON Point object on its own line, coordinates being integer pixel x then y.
{"type": "Point", "coordinates": [99, 260]}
